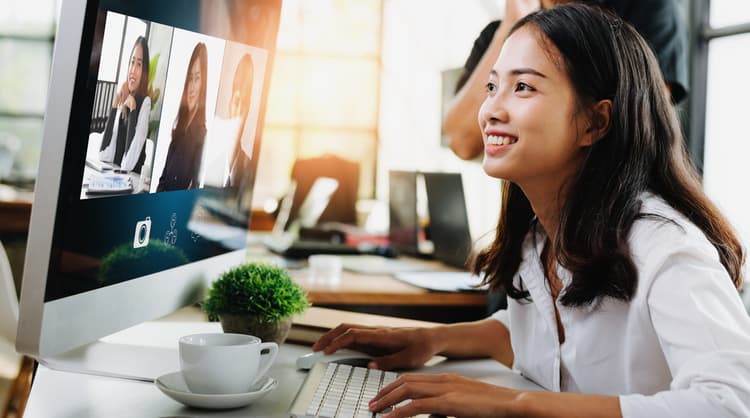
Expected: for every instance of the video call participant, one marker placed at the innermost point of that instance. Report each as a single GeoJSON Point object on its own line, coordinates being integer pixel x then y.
{"type": "Point", "coordinates": [622, 275]}
{"type": "Point", "coordinates": [660, 22]}
{"type": "Point", "coordinates": [124, 137]}
{"type": "Point", "coordinates": [182, 166]}
{"type": "Point", "coordinates": [242, 88]}
{"type": "Point", "coordinates": [224, 160]}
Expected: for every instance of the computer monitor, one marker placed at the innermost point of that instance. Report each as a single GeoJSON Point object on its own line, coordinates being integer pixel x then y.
{"type": "Point", "coordinates": [172, 96]}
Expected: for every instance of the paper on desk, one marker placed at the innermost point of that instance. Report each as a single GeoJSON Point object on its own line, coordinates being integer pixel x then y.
{"type": "Point", "coordinates": [442, 281]}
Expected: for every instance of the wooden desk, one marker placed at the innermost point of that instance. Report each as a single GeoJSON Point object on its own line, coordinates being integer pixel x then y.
{"type": "Point", "coordinates": [384, 295]}
{"type": "Point", "coordinates": [365, 289]}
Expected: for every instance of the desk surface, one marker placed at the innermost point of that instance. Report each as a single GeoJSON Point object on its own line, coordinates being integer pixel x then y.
{"type": "Point", "coordinates": [375, 289]}
{"type": "Point", "coordinates": [63, 394]}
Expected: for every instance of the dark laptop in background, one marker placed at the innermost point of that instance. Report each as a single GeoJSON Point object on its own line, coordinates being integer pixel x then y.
{"type": "Point", "coordinates": [403, 229]}
{"type": "Point", "coordinates": [449, 223]}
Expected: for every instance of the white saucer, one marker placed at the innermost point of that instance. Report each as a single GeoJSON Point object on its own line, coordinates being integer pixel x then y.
{"type": "Point", "coordinates": [174, 386]}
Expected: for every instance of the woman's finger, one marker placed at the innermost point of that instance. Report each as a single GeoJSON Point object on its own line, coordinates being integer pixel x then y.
{"type": "Point", "coordinates": [409, 391]}
{"type": "Point", "coordinates": [326, 339]}
{"type": "Point", "coordinates": [412, 378]}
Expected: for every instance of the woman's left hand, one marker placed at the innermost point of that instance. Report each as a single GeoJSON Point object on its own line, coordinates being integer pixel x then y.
{"type": "Point", "coordinates": [446, 394]}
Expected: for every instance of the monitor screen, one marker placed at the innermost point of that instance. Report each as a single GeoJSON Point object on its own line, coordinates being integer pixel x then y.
{"type": "Point", "coordinates": [151, 142]}
{"type": "Point", "coordinates": [449, 223]}
{"type": "Point", "coordinates": [160, 149]}
{"type": "Point", "coordinates": [403, 227]}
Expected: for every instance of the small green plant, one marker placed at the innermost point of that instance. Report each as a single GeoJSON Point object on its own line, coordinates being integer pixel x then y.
{"type": "Point", "coordinates": [255, 289]}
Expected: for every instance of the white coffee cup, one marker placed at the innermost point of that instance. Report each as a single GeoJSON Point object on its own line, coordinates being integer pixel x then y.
{"type": "Point", "coordinates": [224, 363]}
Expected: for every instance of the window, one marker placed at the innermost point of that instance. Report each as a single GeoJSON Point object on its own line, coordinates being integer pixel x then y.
{"type": "Point", "coordinates": [26, 37]}
{"type": "Point", "coordinates": [727, 136]}
{"type": "Point", "coordinates": [324, 94]}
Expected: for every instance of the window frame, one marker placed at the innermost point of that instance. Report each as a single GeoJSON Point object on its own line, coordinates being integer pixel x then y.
{"type": "Point", "coordinates": [701, 34]}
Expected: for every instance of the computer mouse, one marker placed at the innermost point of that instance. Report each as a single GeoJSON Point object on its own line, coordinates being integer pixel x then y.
{"type": "Point", "coordinates": [344, 356]}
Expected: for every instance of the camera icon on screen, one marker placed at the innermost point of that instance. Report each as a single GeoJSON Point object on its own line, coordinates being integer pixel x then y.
{"type": "Point", "coordinates": [142, 233]}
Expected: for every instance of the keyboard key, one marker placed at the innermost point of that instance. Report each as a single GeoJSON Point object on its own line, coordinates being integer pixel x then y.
{"type": "Point", "coordinates": [345, 391]}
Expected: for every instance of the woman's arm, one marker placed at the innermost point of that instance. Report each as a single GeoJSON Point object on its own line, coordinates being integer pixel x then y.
{"type": "Point", "coordinates": [454, 395]}
{"type": "Point", "coordinates": [484, 338]}
{"type": "Point", "coordinates": [397, 348]}
{"type": "Point", "coordinates": [139, 129]}
{"type": "Point", "coordinates": [704, 333]}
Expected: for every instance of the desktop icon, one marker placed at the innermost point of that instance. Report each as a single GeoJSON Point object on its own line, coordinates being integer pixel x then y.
{"type": "Point", "coordinates": [170, 237]}
{"type": "Point", "coordinates": [142, 233]}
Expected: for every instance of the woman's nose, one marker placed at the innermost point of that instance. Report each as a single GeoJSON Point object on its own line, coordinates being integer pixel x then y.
{"type": "Point", "coordinates": [493, 110]}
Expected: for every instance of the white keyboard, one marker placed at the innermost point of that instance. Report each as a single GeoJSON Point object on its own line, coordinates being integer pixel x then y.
{"type": "Point", "coordinates": [339, 390]}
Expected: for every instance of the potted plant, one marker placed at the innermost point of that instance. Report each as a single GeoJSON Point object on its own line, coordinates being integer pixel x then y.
{"type": "Point", "coordinates": [257, 299]}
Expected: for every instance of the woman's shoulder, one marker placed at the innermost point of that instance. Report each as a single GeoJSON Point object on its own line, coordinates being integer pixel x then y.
{"type": "Point", "coordinates": [662, 232]}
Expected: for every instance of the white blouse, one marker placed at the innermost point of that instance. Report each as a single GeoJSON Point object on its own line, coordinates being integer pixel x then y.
{"type": "Point", "coordinates": [679, 348]}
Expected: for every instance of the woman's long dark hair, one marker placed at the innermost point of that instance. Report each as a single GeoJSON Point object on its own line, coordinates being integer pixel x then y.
{"type": "Point", "coordinates": [200, 54]}
{"type": "Point", "coordinates": [643, 150]}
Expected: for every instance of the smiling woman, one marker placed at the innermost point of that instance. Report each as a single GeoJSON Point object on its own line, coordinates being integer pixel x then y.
{"type": "Point", "coordinates": [124, 138]}
{"type": "Point", "coordinates": [622, 275]}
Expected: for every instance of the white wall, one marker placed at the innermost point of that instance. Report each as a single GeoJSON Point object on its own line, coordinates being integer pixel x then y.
{"type": "Point", "coordinates": [421, 38]}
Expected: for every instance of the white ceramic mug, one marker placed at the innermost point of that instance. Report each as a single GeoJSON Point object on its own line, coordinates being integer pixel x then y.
{"type": "Point", "coordinates": [224, 363]}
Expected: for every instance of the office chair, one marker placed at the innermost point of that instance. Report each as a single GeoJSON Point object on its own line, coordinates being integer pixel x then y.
{"type": "Point", "coordinates": [20, 386]}
{"type": "Point", "coordinates": [342, 207]}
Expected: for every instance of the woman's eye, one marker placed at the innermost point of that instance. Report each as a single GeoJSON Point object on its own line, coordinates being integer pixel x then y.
{"type": "Point", "coordinates": [520, 86]}
{"type": "Point", "coordinates": [491, 88]}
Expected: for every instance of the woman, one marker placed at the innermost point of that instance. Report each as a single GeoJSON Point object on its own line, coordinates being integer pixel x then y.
{"type": "Point", "coordinates": [224, 161]}
{"type": "Point", "coordinates": [242, 87]}
{"type": "Point", "coordinates": [621, 273]}
{"type": "Point", "coordinates": [127, 122]}
{"type": "Point", "coordinates": [182, 166]}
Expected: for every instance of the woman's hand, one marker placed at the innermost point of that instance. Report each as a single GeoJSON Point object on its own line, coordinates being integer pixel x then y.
{"type": "Point", "coordinates": [130, 102]}
{"type": "Point", "coordinates": [121, 94]}
{"type": "Point", "coordinates": [394, 348]}
{"type": "Point", "coordinates": [446, 394]}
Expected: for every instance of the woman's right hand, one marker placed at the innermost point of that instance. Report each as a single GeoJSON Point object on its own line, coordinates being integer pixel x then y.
{"type": "Point", "coordinates": [392, 348]}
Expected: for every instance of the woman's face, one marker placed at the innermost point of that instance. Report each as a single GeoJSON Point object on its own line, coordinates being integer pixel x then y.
{"type": "Point", "coordinates": [529, 122]}
{"type": "Point", "coordinates": [195, 81]}
{"type": "Point", "coordinates": [135, 68]}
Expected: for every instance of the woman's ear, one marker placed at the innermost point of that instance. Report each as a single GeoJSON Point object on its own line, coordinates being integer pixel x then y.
{"type": "Point", "coordinates": [599, 123]}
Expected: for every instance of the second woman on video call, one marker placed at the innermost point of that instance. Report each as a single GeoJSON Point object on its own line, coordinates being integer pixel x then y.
{"type": "Point", "coordinates": [182, 165]}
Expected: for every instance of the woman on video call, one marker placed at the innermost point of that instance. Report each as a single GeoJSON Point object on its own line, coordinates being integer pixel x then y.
{"type": "Point", "coordinates": [622, 276]}
{"type": "Point", "coordinates": [127, 122]}
{"type": "Point", "coordinates": [242, 87]}
{"type": "Point", "coordinates": [182, 166]}
{"type": "Point", "coordinates": [224, 161]}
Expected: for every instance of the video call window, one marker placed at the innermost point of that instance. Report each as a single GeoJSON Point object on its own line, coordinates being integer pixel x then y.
{"type": "Point", "coordinates": [173, 110]}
